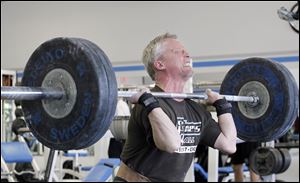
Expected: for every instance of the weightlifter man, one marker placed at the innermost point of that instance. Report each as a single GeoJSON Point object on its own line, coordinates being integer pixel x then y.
{"type": "Point", "coordinates": [163, 133]}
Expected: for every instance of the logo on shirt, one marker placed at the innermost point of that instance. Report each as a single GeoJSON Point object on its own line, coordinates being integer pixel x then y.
{"type": "Point", "coordinates": [189, 132]}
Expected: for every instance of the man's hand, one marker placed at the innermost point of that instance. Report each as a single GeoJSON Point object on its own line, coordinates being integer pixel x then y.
{"type": "Point", "coordinates": [135, 98]}
{"type": "Point", "coordinates": [212, 96]}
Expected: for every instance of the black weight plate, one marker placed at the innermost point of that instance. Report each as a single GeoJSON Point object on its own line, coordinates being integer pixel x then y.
{"type": "Point", "coordinates": [278, 158]}
{"type": "Point", "coordinates": [277, 117]}
{"type": "Point", "coordinates": [265, 161]}
{"type": "Point", "coordinates": [82, 124]}
{"type": "Point", "coordinates": [286, 160]}
{"type": "Point", "coordinates": [119, 127]}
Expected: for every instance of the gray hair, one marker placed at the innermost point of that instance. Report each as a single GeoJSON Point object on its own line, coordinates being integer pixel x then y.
{"type": "Point", "coordinates": [153, 51]}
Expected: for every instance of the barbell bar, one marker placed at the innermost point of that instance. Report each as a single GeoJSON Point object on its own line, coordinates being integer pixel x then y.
{"type": "Point", "coordinates": [78, 79]}
{"type": "Point", "coordinates": [232, 98]}
{"type": "Point", "coordinates": [35, 93]}
{"type": "Point", "coordinates": [30, 93]}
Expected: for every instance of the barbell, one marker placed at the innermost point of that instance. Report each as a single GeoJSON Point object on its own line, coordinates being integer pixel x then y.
{"type": "Point", "coordinates": [69, 95]}
{"type": "Point", "coordinates": [36, 93]}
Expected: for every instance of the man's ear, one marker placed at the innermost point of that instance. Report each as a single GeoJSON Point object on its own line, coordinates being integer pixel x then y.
{"type": "Point", "coordinates": [159, 65]}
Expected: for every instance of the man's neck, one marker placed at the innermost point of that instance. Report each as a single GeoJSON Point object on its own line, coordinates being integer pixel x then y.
{"type": "Point", "coordinates": [170, 85]}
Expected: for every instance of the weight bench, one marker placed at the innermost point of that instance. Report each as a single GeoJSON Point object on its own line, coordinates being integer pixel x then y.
{"type": "Point", "coordinates": [226, 172]}
{"type": "Point", "coordinates": [114, 163]}
{"type": "Point", "coordinates": [99, 173]}
{"type": "Point", "coordinates": [103, 171]}
{"type": "Point", "coordinates": [75, 154]}
{"type": "Point", "coordinates": [16, 152]}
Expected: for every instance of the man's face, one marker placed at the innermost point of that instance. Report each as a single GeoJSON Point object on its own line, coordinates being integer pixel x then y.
{"type": "Point", "coordinates": [176, 59]}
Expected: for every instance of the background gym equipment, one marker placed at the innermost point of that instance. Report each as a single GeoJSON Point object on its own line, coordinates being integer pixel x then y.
{"type": "Point", "coordinates": [267, 160]}
{"type": "Point", "coordinates": [78, 88]}
{"type": "Point", "coordinates": [291, 16]}
{"type": "Point", "coordinates": [118, 127]}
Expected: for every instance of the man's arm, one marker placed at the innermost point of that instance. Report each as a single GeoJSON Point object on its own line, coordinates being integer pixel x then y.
{"type": "Point", "coordinates": [165, 135]}
{"type": "Point", "coordinates": [226, 141]}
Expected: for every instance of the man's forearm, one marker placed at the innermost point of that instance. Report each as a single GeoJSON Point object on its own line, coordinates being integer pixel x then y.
{"type": "Point", "coordinates": [226, 141]}
{"type": "Point", "coordinates": [227, 126]}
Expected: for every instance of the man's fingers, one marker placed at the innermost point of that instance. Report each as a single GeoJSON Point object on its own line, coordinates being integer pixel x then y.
{"type": "Point", "coordinates": [208, 92]}
{"type": "Point", "coordinates": [135, 98]}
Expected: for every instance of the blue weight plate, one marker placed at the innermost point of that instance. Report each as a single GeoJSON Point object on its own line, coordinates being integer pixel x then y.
{"type": "Point", "coordinates": [266, 120]}
{"type": "Point", "coordinates": [112, 89]}
{"type": "Point", "coordinates": [294, 106]}
{"type": "Point", "coordinates": [87, 121]}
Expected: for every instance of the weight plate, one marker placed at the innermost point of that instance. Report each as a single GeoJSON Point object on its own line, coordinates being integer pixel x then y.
{"type": "Point", "coordinates": [87, 121]}
{"type": "Point", "coordinates": [265, 161]}
{"type": "Point", "coordinates": [286, 160]}
{"type": "Point", "coordinates": [112, 90]}
{"type": "Point", "coordinates": [294, 105]}
{"type": "Point", "coordinates": [119, 127]}
{"type": "Point", "coordinates": [271, 115]}
{"type": "Point", "coordinates": [278, 158]}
